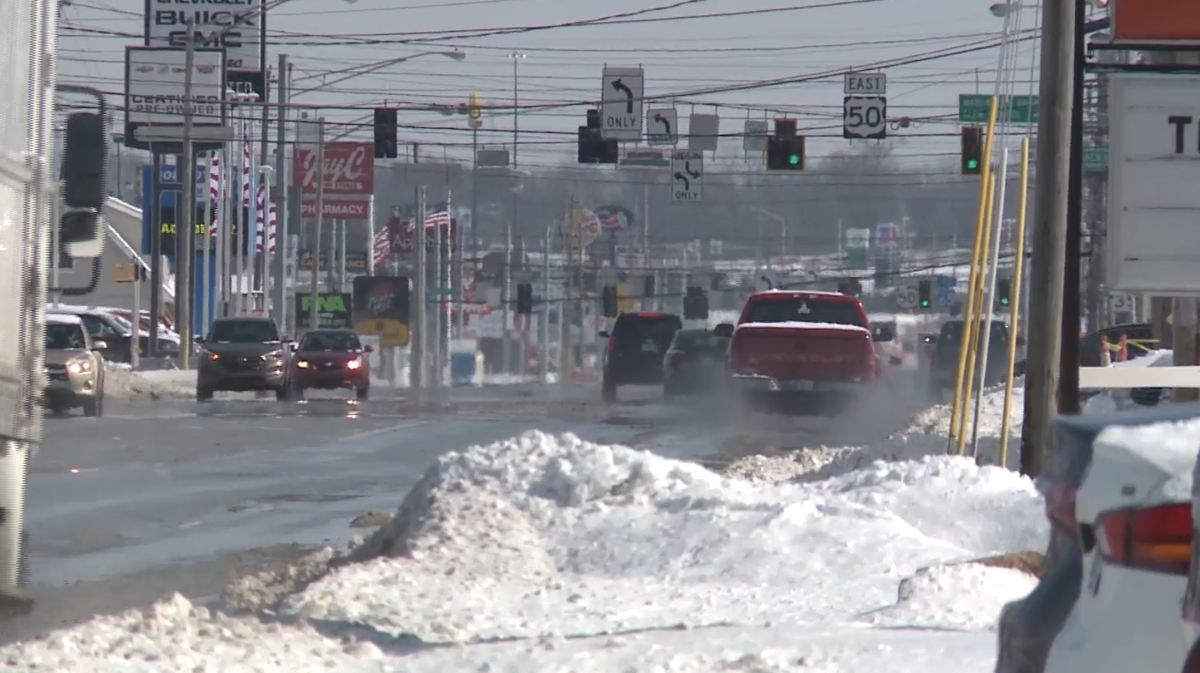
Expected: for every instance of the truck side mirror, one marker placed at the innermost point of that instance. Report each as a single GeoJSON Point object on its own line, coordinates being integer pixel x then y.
{"type": "Point", "coordinates": [85, 153]}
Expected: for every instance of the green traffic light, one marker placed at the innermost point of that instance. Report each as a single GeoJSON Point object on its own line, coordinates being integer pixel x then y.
{"type": "Point", "coordinates": [1004, 301]}
{"type": "Point", "coordinates": [924, 303]}
{"type": "Point", "coordinates": [794, 159]}
{"type": "Point", "coordinates": [972, 164]}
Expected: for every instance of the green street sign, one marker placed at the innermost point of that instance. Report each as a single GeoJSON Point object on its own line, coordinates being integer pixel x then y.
{"type": "Point", "coordinates": [973, 108]}
{"type": "Point", "coordinates": [1096, 158]}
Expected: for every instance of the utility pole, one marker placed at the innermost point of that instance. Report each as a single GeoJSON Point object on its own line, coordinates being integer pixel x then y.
{"type": "Point", "coordinates": [435, 382]}
{"type": "Point", "coordinates": [279, 260]}
{"type": "Point", "coordinates": [544, 313]}
{"type": "Point", "coordinates": [1050, 235]}
{"type": "Point", "coordinates": [505, 282]}
{"type": "Point", "coordinates": [185, 232]}
{"type": "Point", "coordinates": [416, 369]}
{"type": "Point", "coordinates": [314, 313]}
{"type": "Point", "coordinates": [570, 234]}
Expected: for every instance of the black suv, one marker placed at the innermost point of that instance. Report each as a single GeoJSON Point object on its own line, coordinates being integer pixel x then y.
{"type": "Point", "coordinates": [944, 366]}
{"type": "Point", "coordinates": [635, 351]}
{"type": "Point", "coordinates": [242, 354]}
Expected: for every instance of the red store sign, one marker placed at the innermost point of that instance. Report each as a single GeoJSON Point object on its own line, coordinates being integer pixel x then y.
{"type": "Point", "coordinates": [349, 169]}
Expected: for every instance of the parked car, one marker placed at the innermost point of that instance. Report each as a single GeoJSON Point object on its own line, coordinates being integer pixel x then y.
{"type": "Point", "coordinates": [695, 362]}
{"type": "Point", "coordinates": [74, 369]}
{"type": "Point", "coordinates": [947, 349]}
{"type": "Point", "coordinates": [243, 354]}
{"type": "Point", "coordinates": [103, 326]}
{"type": "Point", "coordinates": [1114, 554]}
{"type": "Point", "coordinates": [636, 347]}
{"type": "Point", "coordinates": [1139, 336]}
{"type": "Point", "coordinates": [1135, 531]}
{"type": "Point", "coordinates": [328, 359]}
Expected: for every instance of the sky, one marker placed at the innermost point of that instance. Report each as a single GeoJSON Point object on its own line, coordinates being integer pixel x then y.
{"type": "Point", "coordinates": [762, 40]}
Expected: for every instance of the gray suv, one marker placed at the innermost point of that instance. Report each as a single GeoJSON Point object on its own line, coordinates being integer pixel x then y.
{"type": "Point", "coordinates": [74, 369]}
{"type": "Point", "coordinates": [240, 355]}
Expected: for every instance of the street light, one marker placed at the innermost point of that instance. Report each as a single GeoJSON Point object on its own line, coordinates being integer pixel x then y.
{"type": "Point", "coordinates": [355, 71]}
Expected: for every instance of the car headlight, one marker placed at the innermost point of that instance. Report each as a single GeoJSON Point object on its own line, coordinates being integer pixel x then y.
{"type": "Point", "coordinates": [79, 366]}
{"type": "Point", "coordinates": [275, 354]}
{"type": "Point", "coordinates": [354, 364]}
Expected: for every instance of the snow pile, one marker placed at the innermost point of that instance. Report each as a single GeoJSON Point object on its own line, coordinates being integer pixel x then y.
{"type": "Point", "coordinates": [553, 535]}
{"type": "Point", "coordinates": [601, 558]}
{"type": "Point", "coordinates": [167, 384]}
{"type": "Point", "coordinates": [958, 596]}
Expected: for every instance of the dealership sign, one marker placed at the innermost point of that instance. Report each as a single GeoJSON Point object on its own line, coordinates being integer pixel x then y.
{"type": "Point", "coordinates": [237, 26]}
{"type": "Point", "coordinates": [154, 90]}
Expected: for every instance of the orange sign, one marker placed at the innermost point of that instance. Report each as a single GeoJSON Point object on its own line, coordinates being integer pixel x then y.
{"type": "Point", "coordinates": [1155, 21]}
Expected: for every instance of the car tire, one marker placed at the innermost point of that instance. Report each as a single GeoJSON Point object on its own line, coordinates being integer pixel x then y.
{"type": "Point", "coordinates": [203, 394]}
{"type": "Point", "coordinates": [362, 393]}
{"type": "Point", "coordinates": [283, 394]}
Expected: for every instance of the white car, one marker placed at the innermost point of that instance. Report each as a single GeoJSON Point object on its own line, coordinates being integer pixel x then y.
{"type": "Point", "coordinates": [1135, 526]}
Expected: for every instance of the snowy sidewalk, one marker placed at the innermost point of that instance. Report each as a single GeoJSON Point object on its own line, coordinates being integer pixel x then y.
{"type": "Point", "coordinates": [548, 554]}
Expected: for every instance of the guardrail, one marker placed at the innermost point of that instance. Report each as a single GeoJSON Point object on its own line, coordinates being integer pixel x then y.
{"type": "Point", "coordinates": [128, 250]}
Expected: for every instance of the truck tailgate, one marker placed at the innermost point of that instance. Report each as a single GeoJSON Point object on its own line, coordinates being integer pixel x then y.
{"type": "Point", "coordinates": [814, 354]}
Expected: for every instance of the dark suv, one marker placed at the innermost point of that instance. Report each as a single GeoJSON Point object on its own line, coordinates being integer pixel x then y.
{"type": "Point", "coordinates": [943, 369]}
{"type": "Point", "coordinates": [635, 351]}
{"type": "Point", "coordinates": [242, 354]}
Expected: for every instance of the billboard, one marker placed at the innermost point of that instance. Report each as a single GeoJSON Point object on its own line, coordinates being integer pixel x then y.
{"type": "Point", "coordinates": [380, 308]}
{"type": "Point", "coordinates": [333, 311]}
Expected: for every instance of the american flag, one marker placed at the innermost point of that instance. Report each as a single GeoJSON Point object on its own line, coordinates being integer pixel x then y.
{"type": "Point", "coordinates": [439, 219]}
{"type": "Point", "coordinates": [214, 193]}
{"type": "Point", "coordinates": [267, 211]}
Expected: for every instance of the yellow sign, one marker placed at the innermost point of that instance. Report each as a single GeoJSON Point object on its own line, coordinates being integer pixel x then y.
{"type": "Point", "coordinates": [475, 111]}
{"type": "Point", "coordinates": [390, 332]}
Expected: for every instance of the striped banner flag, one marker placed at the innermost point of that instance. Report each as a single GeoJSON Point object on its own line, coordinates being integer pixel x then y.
{"type": "Point", "coordinates": [214, 193]}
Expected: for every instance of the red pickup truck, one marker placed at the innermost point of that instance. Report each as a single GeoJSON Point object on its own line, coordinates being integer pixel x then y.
{"type": "Point", "coordinates": [817, 346]}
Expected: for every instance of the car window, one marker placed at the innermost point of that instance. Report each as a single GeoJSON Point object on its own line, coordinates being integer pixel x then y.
{"type": "Point", "coordinates": [98, 327]}
{"type": "Point", "coordinates": [799, 309]}
{"type": "Point", "coordinates": [330, 341]}
{"type": "Point", "coordinates": [641, 329]}
{"type": "Point", "coordinates": [61, 337]}
{"type": "Point", "coordinates": [243, 332]}
{"type": "Point", "coordinates": [698, 340]}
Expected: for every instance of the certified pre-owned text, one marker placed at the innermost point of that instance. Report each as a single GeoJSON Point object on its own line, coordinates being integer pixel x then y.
{"type": "Point", "coordinates": [174, 105]}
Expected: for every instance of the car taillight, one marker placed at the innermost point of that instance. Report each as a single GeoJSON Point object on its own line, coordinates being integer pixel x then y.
{"type": "Point", "coordinates": [1060, 509]}
{"type": "Point", "coordinates": [612, 343]}
{"type": "Point", "coordinates": [1157, 539]}
{"type": "Point", "coordinates": [676, 358]}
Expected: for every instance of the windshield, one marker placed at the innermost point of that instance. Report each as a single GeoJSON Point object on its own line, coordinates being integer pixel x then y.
{"type": "Point", "coordinates": [952, 331]}
{"type": "Point", "coordinates": [794, 309]}
{"type": "Point", "coordinates": [99, 328]}
{"type": "Point", "coordinates": [330, 341]}
{"type": "Point", "coordinates": [244, 332]}
{"type": "Point", "coordinates": [61, 337]}
{"type": "Point", "coordinates": [641, 329]}
{"type": "Point", "coordinates": [699, 340]}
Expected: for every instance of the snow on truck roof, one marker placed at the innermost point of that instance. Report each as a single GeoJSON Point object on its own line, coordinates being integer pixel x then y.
{"type": "Point", "coordinates": [798, 293]}
{"type": "Point", "coordinates": [799, 324]}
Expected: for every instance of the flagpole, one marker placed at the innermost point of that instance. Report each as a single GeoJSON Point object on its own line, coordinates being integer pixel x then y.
{"type": "Point", "coordinates": [206, 290]}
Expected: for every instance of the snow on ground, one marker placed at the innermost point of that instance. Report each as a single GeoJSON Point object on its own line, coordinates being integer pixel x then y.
{"type": "Point", "coordinates": [549, 554]}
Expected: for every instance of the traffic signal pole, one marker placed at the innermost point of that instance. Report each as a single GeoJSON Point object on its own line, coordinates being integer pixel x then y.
{"type": "Point", "coordinates": [981, 222]}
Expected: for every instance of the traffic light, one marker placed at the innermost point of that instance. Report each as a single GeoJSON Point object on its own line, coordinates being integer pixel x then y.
{"type": "Point", "coordinates": [593, 148]}
{"type": "Point", "coordinates": [524, 299]}
{"type": "Point", "coordinates": [385, 133]}
{"type": "Point", "coordinates": [972, 150]}
{"type": "Point", "coordinates": [1004, 292]}
{"type": "Point", "coordinates": [785, 154]}
{"type": "Point", "coordinates": [851, 287]}
{"type": "Point", "coordinates": [924, 294]}
{"type": "Point", "coordinates": [648, 287]}
{"type": "Point", "coordinates": [609, 300]}
{"type": "Point", "coordinates": [695, 304]}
